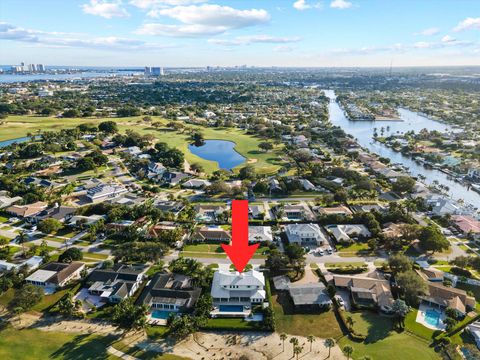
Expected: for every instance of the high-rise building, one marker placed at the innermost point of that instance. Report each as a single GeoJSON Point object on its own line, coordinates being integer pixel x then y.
{"type": "Point", "coordinates": [148, 71]}
{"type": "Point", "coordinates": [40, 68]}
{"type": "Point", "coordinates": [156, 71]}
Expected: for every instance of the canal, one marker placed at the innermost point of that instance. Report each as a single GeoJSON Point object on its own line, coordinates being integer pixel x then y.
{"type": "Point", "coordinates": [363, 132]}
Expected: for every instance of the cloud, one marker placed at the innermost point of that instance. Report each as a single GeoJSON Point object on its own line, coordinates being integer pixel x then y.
{"type": "Point", "coordinates": [341, 4]}
{"type": "Point", "coordinates": [468, 24]}
{"type": "Point", "coordinates": [203, 20]}
{"type": "Point", "coordinates": [283, 48]}
{"type": "Point", "coordinates": [252, 39]}
{"type": "Point", "coordinates": [429, 32]}
{"type": "Point", "coordinates": [54, 39]}
{"type": "Point", "coordinates": [448, 39]}
{"type": "Point", "coordinates": [303, 5]}
{"type": "Point", "coordinates": [105, 9]}
{"type": "Point", "coordinates": [148, 4]}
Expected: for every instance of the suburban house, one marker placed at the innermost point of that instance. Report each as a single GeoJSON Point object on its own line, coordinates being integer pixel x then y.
{"type": "Point", "coordinates": [170, 292]}
{"type": "Point", "coordinates": [293, 212]}
{"type": "Point", "coordinates": [208, 213]}
{"type": "Point", "coordinates": [304, 234]}
{"type": "Point", "coordinates": [155, 169]}
{"type": "Point", "coordinates": [259, 234]}
{"type": "Point", "coordinates": [115, 284]}
{"type": "Point", "coordinates": [31, 264]}
{"type": "Point", "coordinates": [27, 211]}
{"type": "Point", "coordinates": [6, 201]}
{"type": "Point", "coordinates": [169, 206]}
{"type": "Point", "coordinates": [256, 211]}
{"type": "Point", "coordinates": [211, 234]}
{"type": "Point", "coordinates": [235, 293]}
{"type": "Point", "coordinates": [448, 297]}
{"type": "Point", "coordinates": [366, 291]}
{"type": "Point", "coordinates": [431, 274]}
{"type": "Point", "coordinates": [337, 210]}
{"type": "Point", "coordinates": [55, 275]}
{"type": "Point", "coordinates": [173, 177]}
{"type": "Point", "coordinates": [303, 296]}
{"type": "Point", "coordinates": [61, 213]}
{"type": "Point", "coordinates": [196, 183]}
{"type": "Point", "coordinates": [84, 221]}
{"type": "Point", "coordinates": [348, 232]}
{"type": "Point", "coordinates": [105, 191]}
{"type": "Point", "coordinates": [441, 206]}
{"type": "Point", "coordinates": [468, 225]}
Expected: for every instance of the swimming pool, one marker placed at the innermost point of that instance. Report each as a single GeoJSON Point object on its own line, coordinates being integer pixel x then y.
{"type": "Point", "coordinates": [432, 317]}
{"type": "Point", "coordinates": [160, 314]}
{"type": "Point", "coordinates": [231, 308]}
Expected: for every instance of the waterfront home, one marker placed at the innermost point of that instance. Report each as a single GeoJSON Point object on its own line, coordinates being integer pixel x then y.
{"type": "Point", "coordinates": [55, 275]}
{"type": "Point", "coordinates": [211, 234]}
{"type": "Point", "coordinates": [442, 206]}
{"type": "Point", "coordinates": [259, 234]}
{"type": "Point", "coordinates": [348, 232]}
{"type": "Point", "coordinates": [305, 234]}
{"type": "Point", "coordinates": [468, 225]}
{"type": "Point", "coordinates": [115, 284]}
{"type": "Point", "coordinates": [235, 293]}
{"type": "Point", "coordinates": [27, 211]}
{"type": "Point", "coordinates": [366, 291]}
{"type": "Point", "coordinates": [169, 293]}
{"type": "Point", "coordinates": [448, 297]}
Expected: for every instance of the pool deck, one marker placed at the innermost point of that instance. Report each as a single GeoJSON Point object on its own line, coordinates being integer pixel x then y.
{"type": "Point", "coordinates": [421, 317]}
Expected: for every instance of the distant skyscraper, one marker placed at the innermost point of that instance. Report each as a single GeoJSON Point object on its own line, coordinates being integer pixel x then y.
{"type": "Point", "coordinates": [40, 68]}
{"type": "Point", "coordinates": [156, 71]}
{"type": "Point", "coordinates": [148, 71]}
{"type": "Point", "coordinates": [161, 71]}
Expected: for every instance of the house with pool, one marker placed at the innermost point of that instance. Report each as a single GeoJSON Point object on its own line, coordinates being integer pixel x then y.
{"type": "Point", "coordinates": [168, 293]}
{"type": "Point", "coordinates": [235, 294]}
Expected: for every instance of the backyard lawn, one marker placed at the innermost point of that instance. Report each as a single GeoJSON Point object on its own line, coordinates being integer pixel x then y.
{"type": "Point", "coordinates": [213, 251]}
{"type": "Point", "coordinates": [384, 343]}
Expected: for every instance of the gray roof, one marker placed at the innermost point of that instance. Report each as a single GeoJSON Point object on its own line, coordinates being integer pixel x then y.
{"type": "Point", "coordinates": [309, 294]}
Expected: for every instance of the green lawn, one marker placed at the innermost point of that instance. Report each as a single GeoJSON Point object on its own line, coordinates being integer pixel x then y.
{"type": "Point", "coordinates": [213, 251]}
{"type": "Point", "coordinates": [418, 329]}
{"type": "Point", "coordinates": [474, 289]}
{"type": "Point", "coordinates": [323, 325]}
{"type": "Point", "coordinates": [230, 324]}
{"type": "Point", "coordinates": [50, 300]}
{"type": "Point", "coordinates": [3, 219]}
{"type": "Point", "coordinates": [143, 354]}
{"type": "Point", "coordinates": [95, 256]}
{"type": "Point", "coordinates": [344, 264]}
{"type": "Point", "coordinates": [30, 344]}
{"type": "Point", "coordinates": [384, 343]}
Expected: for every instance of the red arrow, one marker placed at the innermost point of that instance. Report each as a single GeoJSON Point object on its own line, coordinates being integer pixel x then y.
{"type": "Point", "coordinates": [240, 252]}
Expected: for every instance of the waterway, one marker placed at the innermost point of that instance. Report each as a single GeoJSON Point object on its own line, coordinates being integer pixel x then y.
{"type": "Point", "coordinates": [363, 133]}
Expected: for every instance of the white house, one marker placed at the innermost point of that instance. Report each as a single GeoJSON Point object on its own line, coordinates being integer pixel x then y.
{"type": "Point", "coordinates": [304, 234]}
{"type": "Point", "coordinates": [196, 183]}
{"type": "Point", "coordinates": [55, 275]}
{"type": "Point", "coordinates": [235, 293]}
{"type": "Point", "coordinates": [259, 234]}
{"type": "Point", "coordinates": [105, 191]}
{"type": "Point", "coordinates": [32, 264]}
{"type": "Point", "coordinates": [347, 232]}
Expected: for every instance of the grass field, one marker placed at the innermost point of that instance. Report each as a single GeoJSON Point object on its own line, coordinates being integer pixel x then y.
{"type": "Point", "coordinates": [30, 344]}
{"type": "Point", "coordinates": [383, 343]}
{"type": "Point", "coordinates": [265, 162]}
{"type": "Point", "coordinates": [213, 251]}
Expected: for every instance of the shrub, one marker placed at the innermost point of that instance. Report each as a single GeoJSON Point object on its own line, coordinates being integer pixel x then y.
{"type": "Point", "coordinates": [461, 272]}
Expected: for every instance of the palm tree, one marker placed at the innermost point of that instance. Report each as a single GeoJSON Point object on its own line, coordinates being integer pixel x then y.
{"type": "Point", "coordinates": [22, 238]}
{"type": "Point", "coordinates": [329, 343]}
{"type": "Point", "coordinates": [311, 339]}
{"type": "Point", "coordinates": [283, 337]}
{"type": "Point", "coordinates": [297, 350]}
{"type": "Point", "coordinates": [348, 350]}
{"type": "Point", "coordinates": [294, 342]}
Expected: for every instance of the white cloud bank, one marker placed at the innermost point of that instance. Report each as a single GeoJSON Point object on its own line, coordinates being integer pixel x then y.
{"type": "Point", "coordinates": [105, 9]}
{"type": "Point", "coordinates": [341, 4]}
{"type": "Point", "coordinates": [468, 24]}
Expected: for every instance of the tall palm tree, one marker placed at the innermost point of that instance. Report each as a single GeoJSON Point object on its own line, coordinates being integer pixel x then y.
{"type": "Point", "coordinates": [329, 343]}
{"type": "Point", "coordinates": [348, 350]}
{"type": "Point", "coordinates": [311, 339]}
{"type": "Point", "coordinates": [297, 350]}
{"type": "Point", "coordinates": [22, 238]}
{"type": "Point", "coordinates": [294, 342]}
{"type": "Point", "coordinates": [283, 337]}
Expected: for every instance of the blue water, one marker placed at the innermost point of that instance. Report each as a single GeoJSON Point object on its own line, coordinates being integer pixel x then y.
{"type": "Point", "coordinates": [13, 141]}
{"type": "Point", "coordinates": [160, 314]}
{"type": "Point", "coordinates": [432, 317]}
{"type": "Point", "coordinates": [221, 151]}
{"type": "Point", "coordinates": [231, 308]}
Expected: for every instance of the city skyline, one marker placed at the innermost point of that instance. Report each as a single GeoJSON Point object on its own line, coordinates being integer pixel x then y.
{"type": "Point", "coordinates": [301, 33]}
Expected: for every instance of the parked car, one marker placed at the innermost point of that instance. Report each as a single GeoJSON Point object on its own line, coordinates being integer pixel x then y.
{"type": "Point", "coordinates": [340, 301]}
{"type": "Point", "coordinates": [329, 250]}
{"type": "Point", "coordinates": [320, 252]}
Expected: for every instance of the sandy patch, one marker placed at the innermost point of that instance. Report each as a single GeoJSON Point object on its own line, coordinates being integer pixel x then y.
{"type": "Point", "coordinates": [252, 161]}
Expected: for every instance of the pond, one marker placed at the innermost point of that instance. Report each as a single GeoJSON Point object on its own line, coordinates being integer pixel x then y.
{"type": "Point", "coordinates": [221, 151]}
{"type": "Point", "coordinates": [13, 141]}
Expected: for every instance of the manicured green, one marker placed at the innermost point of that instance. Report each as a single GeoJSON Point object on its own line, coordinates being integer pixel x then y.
{"type": "Point", "coordinates": [30, 344]}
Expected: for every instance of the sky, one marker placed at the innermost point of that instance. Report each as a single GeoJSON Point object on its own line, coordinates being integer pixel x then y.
{"type": "Point", "coordinates": [182, 33]}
